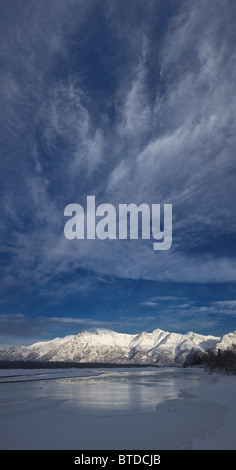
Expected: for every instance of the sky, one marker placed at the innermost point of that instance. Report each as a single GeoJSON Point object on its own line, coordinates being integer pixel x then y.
{"type": "Point", "coordinates": [132, 102]}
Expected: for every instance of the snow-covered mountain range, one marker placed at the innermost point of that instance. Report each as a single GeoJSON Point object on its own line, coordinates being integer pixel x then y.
{"type": "Point", "coordinates": [104, 346]}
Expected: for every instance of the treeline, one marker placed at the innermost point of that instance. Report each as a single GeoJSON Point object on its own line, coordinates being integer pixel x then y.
{"type": "Point", "coordinates": [224, 361]}
{"type": "Point", "coordinates": [65, 365]}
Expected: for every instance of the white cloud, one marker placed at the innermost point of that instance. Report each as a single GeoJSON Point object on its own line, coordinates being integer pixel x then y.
{"type": "Point", "coordinates": [149, 303]}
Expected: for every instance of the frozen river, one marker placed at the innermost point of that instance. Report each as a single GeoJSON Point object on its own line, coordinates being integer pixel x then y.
{"type": "Point", "coordinates": [100, 392]}
{"type": "Point", "coordinates": [133, 408]}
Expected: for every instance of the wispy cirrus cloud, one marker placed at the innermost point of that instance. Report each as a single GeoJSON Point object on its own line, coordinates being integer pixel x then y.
{"type": "Point", "coordinates": [131, 106]}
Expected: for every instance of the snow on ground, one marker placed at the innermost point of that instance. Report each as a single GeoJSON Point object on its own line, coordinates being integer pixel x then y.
{"type": "Point", "coordinates": [224, 394]}
{"type": "Point", "coordinates": [200, 417]}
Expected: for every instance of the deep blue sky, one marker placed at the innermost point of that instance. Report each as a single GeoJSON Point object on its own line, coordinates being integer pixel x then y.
{"type": "Point", "coordinates": [130, 101]}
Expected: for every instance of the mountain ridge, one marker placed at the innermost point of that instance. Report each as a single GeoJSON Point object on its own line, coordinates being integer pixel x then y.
{"type": "Point", "coordinates": [158, 347]}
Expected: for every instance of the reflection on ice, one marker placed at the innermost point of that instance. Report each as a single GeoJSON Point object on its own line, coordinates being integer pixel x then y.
{"type": "Point", "coordinates": [118, 392]}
